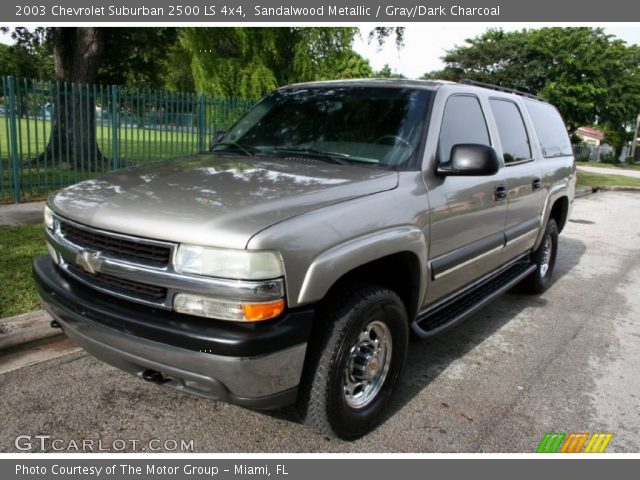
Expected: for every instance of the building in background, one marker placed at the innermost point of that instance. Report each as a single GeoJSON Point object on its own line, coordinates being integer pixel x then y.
{"type": "Point", "coordinates": [590, 136]}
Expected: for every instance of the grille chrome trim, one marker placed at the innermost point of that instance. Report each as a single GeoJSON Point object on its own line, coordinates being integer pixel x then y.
{"type": "Point", "coordinates": [165, 277]}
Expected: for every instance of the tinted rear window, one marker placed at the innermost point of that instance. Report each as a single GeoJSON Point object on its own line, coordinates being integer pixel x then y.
{"type": "Point", "coordinates": [552, 133]}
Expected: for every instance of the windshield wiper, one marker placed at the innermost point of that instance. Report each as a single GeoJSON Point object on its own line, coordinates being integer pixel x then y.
{"type": "Point", "coordinates": [331, 157]}
{"type": "Point", "coordinates": [246, 149]}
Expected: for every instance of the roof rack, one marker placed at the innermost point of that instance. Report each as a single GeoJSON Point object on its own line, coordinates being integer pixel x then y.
{"type": "Point", "coordinates": [490, 86]}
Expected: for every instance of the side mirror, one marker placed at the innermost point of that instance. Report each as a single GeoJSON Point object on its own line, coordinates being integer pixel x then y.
{"type": "Point", "coordinates": [217, 135]}
{"type": "Point", "coordinates": [470, 159]}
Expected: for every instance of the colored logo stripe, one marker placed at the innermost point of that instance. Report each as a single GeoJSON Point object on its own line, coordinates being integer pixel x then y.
{"type": "Point", "coordinates": [550, 443]}
{"type": "Point", "coordinates": [574, 442]}
{"type": "Point", "coordinates": [559, 442]}
{"type": "Point", "coordinates": [598, 442]}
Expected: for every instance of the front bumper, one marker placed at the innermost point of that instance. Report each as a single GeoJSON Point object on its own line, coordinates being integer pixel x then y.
{"type": "Point", "coordinates": [254, 365]}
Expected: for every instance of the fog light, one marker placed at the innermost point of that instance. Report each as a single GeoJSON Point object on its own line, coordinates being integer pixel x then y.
{"type": "Point", "coordinates": [227, 310]}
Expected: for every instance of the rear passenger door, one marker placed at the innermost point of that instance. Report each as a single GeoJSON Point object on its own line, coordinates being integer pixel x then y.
{"type": "Point", "coordinates": [523, 177]}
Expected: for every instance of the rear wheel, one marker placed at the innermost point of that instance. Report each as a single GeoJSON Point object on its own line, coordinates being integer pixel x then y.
{"type": "Point", "coordinates": [354, 363]}
{"type": "Point", "coordinates": [545, 259]}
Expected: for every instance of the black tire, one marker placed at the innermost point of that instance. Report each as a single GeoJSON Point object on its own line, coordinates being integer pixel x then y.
{"type": "Point", "coordinates": [540, 278]}
{"type": "Point", "coordinates": [323, 403]}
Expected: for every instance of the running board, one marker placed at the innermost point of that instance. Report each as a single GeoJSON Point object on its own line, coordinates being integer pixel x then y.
{"type": "Point", "coordinates": [445, 315]}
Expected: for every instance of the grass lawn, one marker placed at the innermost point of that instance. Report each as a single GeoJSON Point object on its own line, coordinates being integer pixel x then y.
{"type": "Point", "coordinates": [18, 246]}
{"type": "Point", "coordinates": [33, 135]}
{"type": "Point", "coordinates": [632, 166]}
{"type": "Point", "coordinates": [39, 175]}
{"type": "Point", "coordinates": [599, 180]}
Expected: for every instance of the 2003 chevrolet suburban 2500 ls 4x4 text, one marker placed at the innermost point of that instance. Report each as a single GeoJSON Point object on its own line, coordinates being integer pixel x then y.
{"type": "Point", "coordinates": [291, 262]}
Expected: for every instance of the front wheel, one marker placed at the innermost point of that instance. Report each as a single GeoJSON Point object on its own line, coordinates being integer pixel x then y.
{"type": "Point", "coordinates": [545, 259]}
{"type": "Point", "coordinates": [354, 361]}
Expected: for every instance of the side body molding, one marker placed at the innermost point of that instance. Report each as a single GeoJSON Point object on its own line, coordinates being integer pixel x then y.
{"type": "Point", "coordinates": [332, 264]}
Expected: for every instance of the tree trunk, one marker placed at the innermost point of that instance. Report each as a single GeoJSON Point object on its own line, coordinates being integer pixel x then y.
{"type": "Point", "coordinates": [76, 57]}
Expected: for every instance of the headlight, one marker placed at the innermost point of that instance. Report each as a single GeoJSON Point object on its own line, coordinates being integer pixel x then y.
{"type": "Point", "coordinates": [48, 217]}
{"type": "Point", "coordinates": [227, 263]}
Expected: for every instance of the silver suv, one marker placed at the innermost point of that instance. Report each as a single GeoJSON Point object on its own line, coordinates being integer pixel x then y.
{"type": "Point", "coordinates": [291, 263]}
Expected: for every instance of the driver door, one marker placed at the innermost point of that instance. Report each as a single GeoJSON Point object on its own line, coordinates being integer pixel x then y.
{"type": "Point", "coordinates": [467, 214]}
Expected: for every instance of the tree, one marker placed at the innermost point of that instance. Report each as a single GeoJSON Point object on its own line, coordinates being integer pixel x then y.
{"type": "Point", "coordinates": [176, 66]}
{"type": "Point", "coordinates": [590, 76]}
{"type": "Point", "coordinates": [75, 54]}
{"type": "Point", "coordinates": [386, 72]}
{"type": "Point", "coordinates": [249, 62]}
{"type": "Point", "coordinates": [19, 61]}
{"type": "Point", "coordinates": [382, 34]}
{"type": "Point", "coordinates": [138, 57]}
{"type": "Point", "coordinates": [135, 57]}
{"type": "Point", "coordinates": [348, 64]}
{"type": "Point", "coordinates": [76, 57]}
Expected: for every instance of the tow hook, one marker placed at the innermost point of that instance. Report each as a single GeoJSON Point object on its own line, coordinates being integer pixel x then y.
{"type": "Point", "coordinates": [154, 376]}
{"type": "Point", "coordinates": [54, 324]}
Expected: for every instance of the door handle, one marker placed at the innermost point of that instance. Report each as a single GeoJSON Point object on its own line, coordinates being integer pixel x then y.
{"type": "Point", "coordinates": [536, 183]}
{"type": "Point", "coordinates": [501, 192]}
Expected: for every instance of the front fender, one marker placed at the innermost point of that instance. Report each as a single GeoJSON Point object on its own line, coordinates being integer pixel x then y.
{"type": "Point", "coordinates": [328, 267]}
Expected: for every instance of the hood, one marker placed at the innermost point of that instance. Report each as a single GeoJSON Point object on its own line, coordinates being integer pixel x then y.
{"type": "Point", "coordinates": [214, 200]}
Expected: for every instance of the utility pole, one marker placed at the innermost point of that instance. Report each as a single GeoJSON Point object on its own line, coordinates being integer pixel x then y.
{"type": "Point", "coordinates": [636, 134]}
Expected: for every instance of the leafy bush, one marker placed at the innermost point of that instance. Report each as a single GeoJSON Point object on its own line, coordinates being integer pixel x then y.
{"type": "Point", "coordinates": [608, 158]}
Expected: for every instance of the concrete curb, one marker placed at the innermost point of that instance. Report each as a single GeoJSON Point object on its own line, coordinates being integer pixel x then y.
{"type": "Point", "coordinates": [584, 191]}
{"type": "Point", "coordinates": [619, 189]}
{"type": "Point", "coordinates": [21, 213]}
{"type": "Point", "coordinates": [25, 328]}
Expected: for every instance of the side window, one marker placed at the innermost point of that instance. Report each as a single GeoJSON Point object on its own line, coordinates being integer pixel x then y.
{"type": "Point", "coordinates": [462, 122]}
{"type": "Point", "coordinates": [513, 134]}
{"type": "Point", "coordinates": [552, 134]}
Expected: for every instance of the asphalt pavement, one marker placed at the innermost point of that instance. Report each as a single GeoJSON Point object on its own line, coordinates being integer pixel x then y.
{"type": "Point", "coordinates": [564, 361]}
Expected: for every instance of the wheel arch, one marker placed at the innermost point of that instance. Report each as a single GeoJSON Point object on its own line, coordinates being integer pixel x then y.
{"type": "Point", "coordinates": [395, 259]}
{"type": "Point", "coordinates": [557, 206]}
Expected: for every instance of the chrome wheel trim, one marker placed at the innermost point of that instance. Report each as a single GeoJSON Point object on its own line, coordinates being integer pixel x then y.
{"type": "Point", "coordinates": [547, 249]}
{"type": "Point", "coordinates": [367, 364]}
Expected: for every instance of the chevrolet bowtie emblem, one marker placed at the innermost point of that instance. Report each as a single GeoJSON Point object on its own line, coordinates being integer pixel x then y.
{"type": "Point", "coordinates": [88, 261]}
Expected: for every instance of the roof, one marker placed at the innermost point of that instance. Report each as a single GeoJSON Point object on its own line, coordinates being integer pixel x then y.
{"type": "Point", "coordinates": [373, 82]}
{"type": "Point", "coordinates": [405, 83]}
{"type": "Point", "coordinates": [591, 132]}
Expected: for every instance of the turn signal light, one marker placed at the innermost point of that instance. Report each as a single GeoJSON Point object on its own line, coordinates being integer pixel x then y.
{"type": "Point", "coordinates": [263, 311]}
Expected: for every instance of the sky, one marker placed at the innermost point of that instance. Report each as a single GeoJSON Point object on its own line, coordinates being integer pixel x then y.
{"type": "Point", "coordinates": [425, 44]}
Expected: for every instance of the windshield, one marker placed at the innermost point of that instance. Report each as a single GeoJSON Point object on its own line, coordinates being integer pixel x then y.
{"type": "Point", "coordinates": [376, 126]}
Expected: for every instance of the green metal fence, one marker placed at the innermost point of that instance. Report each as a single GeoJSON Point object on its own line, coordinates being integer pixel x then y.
{"type": "Point", "coordinates": [53, 134]}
